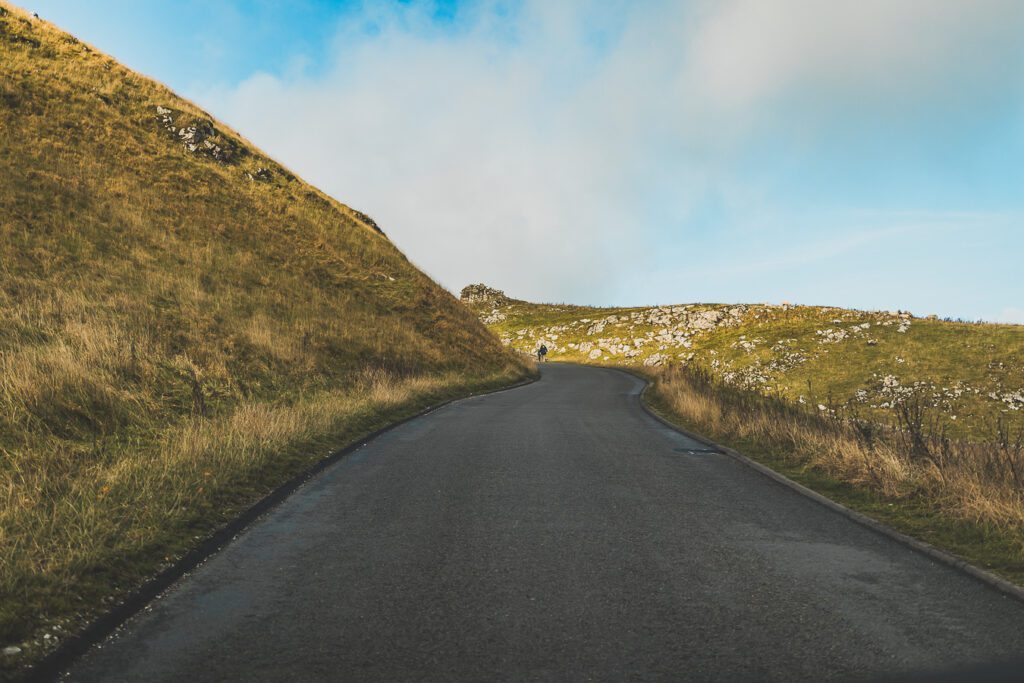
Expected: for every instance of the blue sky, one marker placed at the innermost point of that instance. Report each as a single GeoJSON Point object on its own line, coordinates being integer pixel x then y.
{"type": "Point", "coordinates": [866, 154]}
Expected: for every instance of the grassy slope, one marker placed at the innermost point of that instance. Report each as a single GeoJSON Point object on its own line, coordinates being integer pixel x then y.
{"type": "Point", "coordinates": [769, 367]}
{"type": "Point", "coordinates": [183, 324]}
{"type": "Point", "coordinates": [972, 374]}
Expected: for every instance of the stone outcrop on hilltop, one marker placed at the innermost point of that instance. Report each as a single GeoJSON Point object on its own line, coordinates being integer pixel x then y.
{"type": "Point", "coordinates": [486, 301]}
{"type": "Point", "coordinates": [482, 294]}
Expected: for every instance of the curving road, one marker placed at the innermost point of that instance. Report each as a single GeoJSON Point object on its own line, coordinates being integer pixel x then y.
{"type": "Point", "coordinates": [557, 532]}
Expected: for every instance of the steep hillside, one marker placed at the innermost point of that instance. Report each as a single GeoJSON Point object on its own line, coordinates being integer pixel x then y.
{"type": "Point", "coordinates": [863, 361]}
{"type": "Point", "coordinates": [183, 325]}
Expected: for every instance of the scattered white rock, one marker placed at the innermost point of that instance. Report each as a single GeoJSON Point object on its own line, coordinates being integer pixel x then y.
{"type": "Point", "coordinates": [493, 317]}
{"type": "Point", "coordinates": [831, 336]}
{"type": "Point", "coordinates": [1014, 400]}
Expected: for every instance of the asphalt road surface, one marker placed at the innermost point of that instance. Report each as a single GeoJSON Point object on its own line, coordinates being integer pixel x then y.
{"type": "Point", "coordinates": [557, 532]}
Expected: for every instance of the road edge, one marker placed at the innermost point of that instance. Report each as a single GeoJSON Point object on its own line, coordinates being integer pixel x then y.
{"type": "Point", "coordinates": [994, 582]}
{"type": "Point", "coordinates": [55, 664]}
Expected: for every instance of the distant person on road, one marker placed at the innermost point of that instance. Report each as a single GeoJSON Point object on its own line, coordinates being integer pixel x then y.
{"type": "Point", "coordinates": [541, 353]}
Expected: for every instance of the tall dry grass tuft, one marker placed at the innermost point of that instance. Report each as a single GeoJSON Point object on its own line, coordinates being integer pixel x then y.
{"type": "Point", "coordinates": [978, 482]}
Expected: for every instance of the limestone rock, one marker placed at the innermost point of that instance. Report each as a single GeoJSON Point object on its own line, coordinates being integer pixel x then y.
{"type": "Point", "coordinates": [495, 316]}
{"type": "Point", "coordinates": [482, 294]}
{"type": "Point", "coordinates": [200, 137]}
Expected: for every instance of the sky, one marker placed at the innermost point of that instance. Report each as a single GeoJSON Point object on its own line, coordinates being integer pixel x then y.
{"type": "Point", "coordinates": [857, 153]}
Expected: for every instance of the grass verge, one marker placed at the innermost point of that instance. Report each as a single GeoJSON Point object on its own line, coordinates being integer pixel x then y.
{"type": "Point", "coordinates": [971, 509]}
{"type": "Point", "coordinates": [112, 528]}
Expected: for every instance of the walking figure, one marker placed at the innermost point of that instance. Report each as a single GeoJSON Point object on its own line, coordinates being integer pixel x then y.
{"type": "Point", "coordinates": [541, 353]}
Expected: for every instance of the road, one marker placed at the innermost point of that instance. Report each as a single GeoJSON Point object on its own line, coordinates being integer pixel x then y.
{"type": "Point", "coordinates": [557, 532]}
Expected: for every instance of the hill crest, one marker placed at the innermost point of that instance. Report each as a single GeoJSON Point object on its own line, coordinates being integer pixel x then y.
{"type": "Point", "coordinates": [973, 373]}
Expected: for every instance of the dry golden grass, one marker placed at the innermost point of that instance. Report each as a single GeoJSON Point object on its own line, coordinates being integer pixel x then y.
{"type": "Point", "coordinates": [64, 521]}
{"type": "Point", "coordinates": [176, 337]}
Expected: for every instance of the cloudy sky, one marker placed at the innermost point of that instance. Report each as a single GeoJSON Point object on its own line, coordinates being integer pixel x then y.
{"type": "Point", "coordinates": [867, 153]}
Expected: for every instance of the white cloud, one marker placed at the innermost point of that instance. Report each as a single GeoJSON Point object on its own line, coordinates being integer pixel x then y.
{"type": "Point", "coordinates": [748, 52]}
{"type": "Point", "coordinates": [548, 152]}
{"type": "Point", "coordinates": [482, 162]}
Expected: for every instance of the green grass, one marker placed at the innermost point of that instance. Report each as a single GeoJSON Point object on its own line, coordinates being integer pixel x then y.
{"type": "Point", "coordinates": [181, 329]}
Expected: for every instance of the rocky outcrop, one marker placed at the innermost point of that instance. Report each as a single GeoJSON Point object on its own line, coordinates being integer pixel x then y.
{"type": "Point", "coordinates": [481, 295]}
{"type": "Point", "coordinates": [200, 136]}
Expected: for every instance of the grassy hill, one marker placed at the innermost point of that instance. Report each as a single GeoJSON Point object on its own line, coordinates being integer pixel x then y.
{"type": "Point", "coordinates": [184, 324]}
{"type": "Point", "coordinates": [970, 375]}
